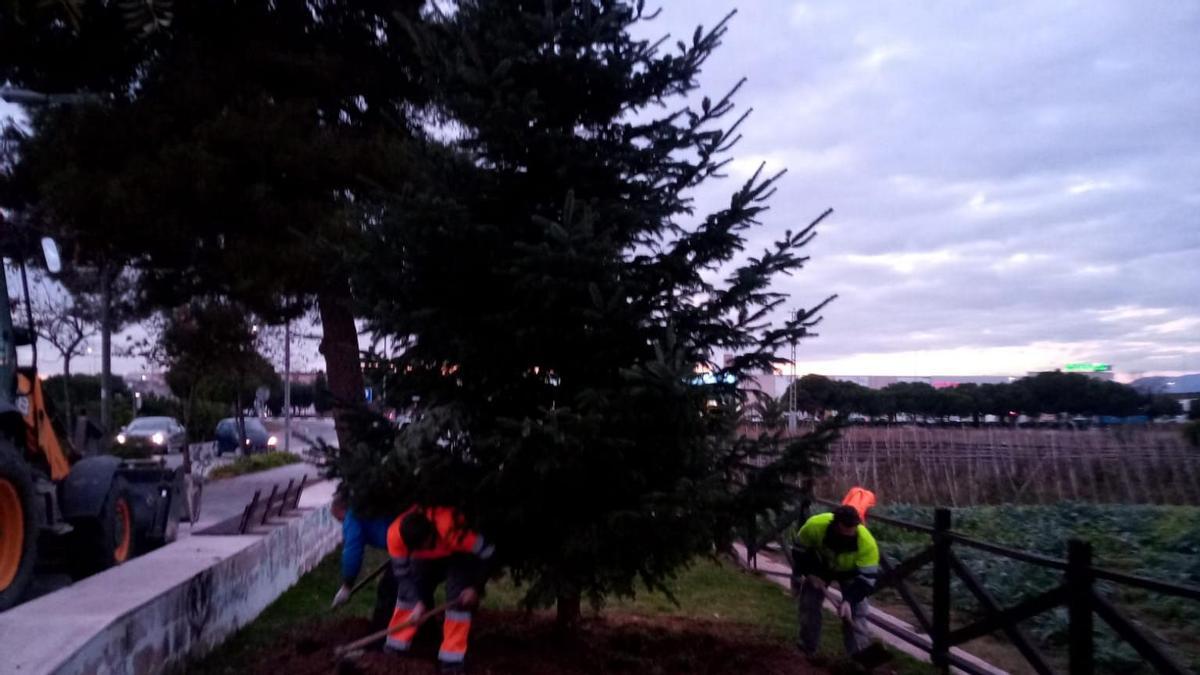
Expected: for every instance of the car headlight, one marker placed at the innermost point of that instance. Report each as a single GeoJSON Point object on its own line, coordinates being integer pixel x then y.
{"type": "Point", "coordinates": [272, 441]}
{"type": "Point", "coordinates": [121, 439]}
{"type": "Point", "coordinates": [158, 438]}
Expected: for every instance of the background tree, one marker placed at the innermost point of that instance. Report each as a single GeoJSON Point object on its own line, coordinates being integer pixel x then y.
{"type": "Point", "coordinates": [110, 295]}
{"type": "Point", "coordinates": [322, 397]}
{"type": "Point", "coordinates": [208, 350]}
{"type": "Point", "coordinates": [814, 394]}
{"type": "Point", "coordinates": [84, 394]}
{"type": "Point", "coordinates": [1161, 405]}
{"type": "Point", "coordinates": [553, 311]}
{"type": "Point", "coordinates": [86, 57]}
{"type": "Point", "coordinates": [228, 156]}
{"type": "Point", "coordinates": [771, 412]}
{"type": "Point", "coordinates": [1045, 393]}
{"type": "Point", "coordinates": [67, 326]}
{"type": "Point", "coordinates": [302, 398]}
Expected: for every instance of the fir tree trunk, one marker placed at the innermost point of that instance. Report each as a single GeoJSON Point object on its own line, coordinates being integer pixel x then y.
{"type": "Point", "coordinates": [567, 612]}
{"type": "Point", "coordinates": [340, 348]}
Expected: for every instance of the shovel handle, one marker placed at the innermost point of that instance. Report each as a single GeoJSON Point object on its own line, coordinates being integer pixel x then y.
{"type": "Point", "coordinates": [364, 581]}
{"type": "Point", "coordinates": [363, 642]}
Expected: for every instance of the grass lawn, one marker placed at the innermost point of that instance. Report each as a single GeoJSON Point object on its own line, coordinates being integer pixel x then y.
{"type": "Point", "coordinates": [714, 591]}
{"type": "Point", "coordinates": [253, 464]}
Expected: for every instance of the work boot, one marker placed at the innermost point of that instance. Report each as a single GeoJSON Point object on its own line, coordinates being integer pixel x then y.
{"type": "Point", "coordinates": [871, 657]}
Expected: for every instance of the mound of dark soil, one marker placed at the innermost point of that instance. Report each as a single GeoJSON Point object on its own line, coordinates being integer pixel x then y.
{"type": "Point", "coordinates": [512, 643]}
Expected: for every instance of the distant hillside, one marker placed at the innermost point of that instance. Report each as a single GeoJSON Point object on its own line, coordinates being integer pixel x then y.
{"type": "Point", "coordinates": [1183, 384]}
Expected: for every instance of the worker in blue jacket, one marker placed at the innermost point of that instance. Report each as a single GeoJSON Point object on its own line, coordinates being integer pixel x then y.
{"type": "Point", "coordinates": [357, 534]}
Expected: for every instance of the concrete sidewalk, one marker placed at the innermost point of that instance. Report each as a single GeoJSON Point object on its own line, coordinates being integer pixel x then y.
{"type": "Point", "coordinates": [170, 604]}
{"type": "Point", "coordinates": [226, 498]}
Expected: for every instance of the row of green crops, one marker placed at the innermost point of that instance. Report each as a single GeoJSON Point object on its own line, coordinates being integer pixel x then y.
{"type": "Point", "coordinates": [1161, 542]}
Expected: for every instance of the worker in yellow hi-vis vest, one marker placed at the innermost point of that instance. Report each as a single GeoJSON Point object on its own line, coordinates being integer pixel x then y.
{"type": "Point", "coordinates": [834, 548]}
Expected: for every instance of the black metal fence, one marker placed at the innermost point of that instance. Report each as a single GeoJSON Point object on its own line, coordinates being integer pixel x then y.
{"type": "Point", "coordinates": [276, 504]}
{"type": "Point", "coordinates": [1077, 592]}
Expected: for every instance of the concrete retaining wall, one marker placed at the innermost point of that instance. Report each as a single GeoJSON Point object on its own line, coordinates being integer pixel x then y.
{"type": "Point", "coordinates": [175, 603]}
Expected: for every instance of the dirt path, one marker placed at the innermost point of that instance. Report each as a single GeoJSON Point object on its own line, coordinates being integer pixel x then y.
{"type": "Point", "coordinates": [512, 643]}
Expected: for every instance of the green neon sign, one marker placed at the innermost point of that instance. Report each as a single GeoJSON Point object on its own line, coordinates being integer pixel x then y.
{"type": "Point", "coordinates": [1088, 368]}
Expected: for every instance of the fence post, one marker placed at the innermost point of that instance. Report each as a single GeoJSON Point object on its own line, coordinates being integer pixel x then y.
{"type": "Point", "coordinates": [1079, 606]}
{"type": "Point", "coordinates": [245, 522]}
{"type": "Point", "coordinates": [283, 503]}
{"type": "Point", "coordinates": [267, 506]}
{"type": "Point", "coordinates": [941, 589]}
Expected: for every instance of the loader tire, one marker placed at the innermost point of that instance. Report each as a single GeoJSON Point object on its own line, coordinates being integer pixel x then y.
{"type": "Point", "coordinates": [108, 539]}
{"type": "Point", "coordinates": [18, 526]}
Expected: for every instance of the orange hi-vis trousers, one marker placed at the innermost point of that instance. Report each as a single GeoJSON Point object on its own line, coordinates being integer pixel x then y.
{"type": "Point", "coordinates": [416, 580]}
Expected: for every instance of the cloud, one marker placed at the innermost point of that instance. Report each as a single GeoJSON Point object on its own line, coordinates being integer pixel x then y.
{"type": "Point", "coordinates": [1015, 186]}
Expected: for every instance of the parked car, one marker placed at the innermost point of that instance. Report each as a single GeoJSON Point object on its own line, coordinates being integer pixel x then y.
{"type": "Point", "coordinates": [254, 439]}
{"type": "Point", "coordinates": [152, 435]}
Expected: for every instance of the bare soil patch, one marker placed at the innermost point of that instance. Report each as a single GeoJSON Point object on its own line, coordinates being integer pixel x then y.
{"type": "Point", "coordinates": [517, 643]}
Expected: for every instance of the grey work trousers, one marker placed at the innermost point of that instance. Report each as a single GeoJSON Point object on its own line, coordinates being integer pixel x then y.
{"type": "Point", "coordinates": [855, 633]}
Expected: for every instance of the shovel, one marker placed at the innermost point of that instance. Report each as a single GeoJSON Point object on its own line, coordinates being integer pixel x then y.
{"type": "Point", "coordinates": [348, 649]}
{"type": "Point", "coordinates": [363, 582]}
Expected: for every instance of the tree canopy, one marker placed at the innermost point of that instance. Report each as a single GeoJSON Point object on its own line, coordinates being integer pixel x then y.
{"type": "Point", "coordinates": [228, 156]}
{"type": "Point", "coordinates": [1043, 393]}
{"type": "Point", "coordinates": [208, 349]}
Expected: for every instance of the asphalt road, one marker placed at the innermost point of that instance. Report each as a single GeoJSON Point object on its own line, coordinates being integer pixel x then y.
{"type": "Point", "coordinates": [306, 432]}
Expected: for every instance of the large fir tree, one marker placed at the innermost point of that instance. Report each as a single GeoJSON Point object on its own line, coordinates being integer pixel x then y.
{"type": "Point", "coordinates": [557, 304]}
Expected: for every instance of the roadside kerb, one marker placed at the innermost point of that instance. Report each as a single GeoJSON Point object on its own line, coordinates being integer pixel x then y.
{"type": "Point", "coordinates": [170, 605]}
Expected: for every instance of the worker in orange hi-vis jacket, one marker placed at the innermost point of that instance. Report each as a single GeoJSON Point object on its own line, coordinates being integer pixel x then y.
{"type": "Point", "coordinates": [429, 544]}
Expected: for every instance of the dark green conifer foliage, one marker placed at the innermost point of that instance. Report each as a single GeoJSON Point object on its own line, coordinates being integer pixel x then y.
{"type": "Point", "coordinates": [556, 302]}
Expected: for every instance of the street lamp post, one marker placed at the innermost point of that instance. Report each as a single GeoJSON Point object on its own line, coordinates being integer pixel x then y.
{"type": "Point", "coordinates": [287, 387]}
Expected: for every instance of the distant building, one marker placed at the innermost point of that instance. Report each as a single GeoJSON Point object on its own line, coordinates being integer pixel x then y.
{"type": "Point", "coordinates": [305, 378]}
{"type": "Point", "coordinates": [148, 384]}
{"type": "Point", "coordinates": [1096, 371]}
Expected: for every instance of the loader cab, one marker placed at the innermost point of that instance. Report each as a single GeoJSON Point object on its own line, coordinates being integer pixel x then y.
{"type": "Point", "coordinates": [23, 418]}
{"type": "Point", "coordinates": [13, 336]}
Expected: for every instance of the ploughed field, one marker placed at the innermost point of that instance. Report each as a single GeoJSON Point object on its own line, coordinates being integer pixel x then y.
{"type": "Point", "coordinates": [968, 466]}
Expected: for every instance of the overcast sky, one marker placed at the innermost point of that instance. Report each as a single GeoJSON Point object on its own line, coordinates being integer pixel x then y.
{"type": "Point", "coordinates": [1016, 185]}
